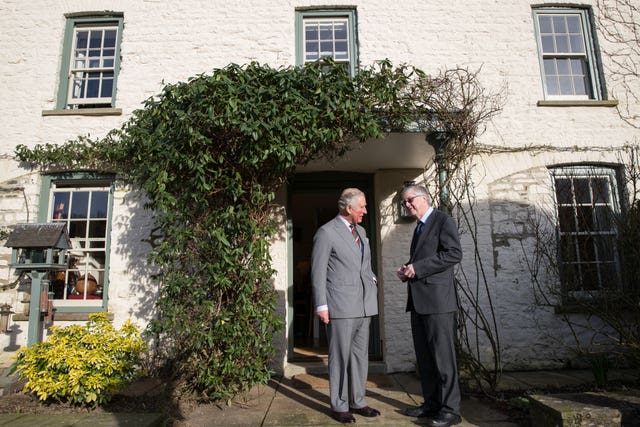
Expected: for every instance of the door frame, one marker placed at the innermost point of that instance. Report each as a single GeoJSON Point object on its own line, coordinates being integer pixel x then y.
{"type": "Point", "coordinates": [323, 181]}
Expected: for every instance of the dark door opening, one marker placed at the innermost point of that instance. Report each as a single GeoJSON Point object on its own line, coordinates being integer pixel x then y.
{"type": "Point", "coordinates": [313, 200]}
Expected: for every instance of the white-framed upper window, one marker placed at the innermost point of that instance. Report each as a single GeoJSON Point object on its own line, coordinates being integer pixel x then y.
{"type": "Point", "coordinates": [91, 61]}
{"type": "Point", "coordinates": [566, 52]}
{"type": "Point", "coordinates": [327, 34]}
{"type": "Point", "coordinates": [84, 204]}
{"type": "Point", "coordinates": [587, 200]}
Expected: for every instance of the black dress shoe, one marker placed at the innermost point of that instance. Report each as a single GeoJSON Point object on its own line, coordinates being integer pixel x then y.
{"type": "Point", "coordinates": [445, 419]}
{"type": "Point", "coordinates": [366, 411]}
{"type": "Point", "coordinates": [421, 412]}
{"type": "Point", "coordinates": [343, 417]}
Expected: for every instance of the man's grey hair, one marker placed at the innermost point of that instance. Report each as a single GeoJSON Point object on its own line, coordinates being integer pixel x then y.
{"type": "Point", "coordinates": [349, 197]}
{"type": "Point", "coordinates": [417, 190]}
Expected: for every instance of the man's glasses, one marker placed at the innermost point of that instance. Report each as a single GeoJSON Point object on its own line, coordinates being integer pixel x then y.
{"type": "Point", "coordinates": [410, 199]}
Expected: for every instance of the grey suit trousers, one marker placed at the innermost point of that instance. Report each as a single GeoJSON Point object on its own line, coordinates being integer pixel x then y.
{"type": "Point", "coordinates": [348, 351]}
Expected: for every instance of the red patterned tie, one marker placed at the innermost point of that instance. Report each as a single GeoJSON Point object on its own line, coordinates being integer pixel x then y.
{"type": "Point", "coordinates": [355, 234]}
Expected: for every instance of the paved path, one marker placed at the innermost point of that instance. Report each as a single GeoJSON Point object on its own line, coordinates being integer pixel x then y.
{"type": "Point", "coordinates": [303, 401]}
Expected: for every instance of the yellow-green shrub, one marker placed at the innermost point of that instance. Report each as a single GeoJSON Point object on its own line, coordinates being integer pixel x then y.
{"type": "Point", "coordinates": [84, 365]}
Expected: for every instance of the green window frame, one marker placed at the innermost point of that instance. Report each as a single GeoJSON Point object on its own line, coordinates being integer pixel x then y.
{"type": "Point", "coordinates": [84, 202]}
{"type": "Point", "coordinates": [322, 33]}
{"type": "Point", "coordinates": [587, 200]}
{"type": "Point", "coordinates": [90, 61]}
{"type": "Point", "coordinates": [566, 51]}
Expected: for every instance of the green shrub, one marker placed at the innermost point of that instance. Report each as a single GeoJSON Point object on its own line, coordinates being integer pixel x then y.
{"type": "Point", "coordinates": [84, 365]}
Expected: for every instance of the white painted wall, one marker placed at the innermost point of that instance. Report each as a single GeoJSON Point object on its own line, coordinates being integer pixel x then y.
{"type": "Point", "coordinates": [167, 42]}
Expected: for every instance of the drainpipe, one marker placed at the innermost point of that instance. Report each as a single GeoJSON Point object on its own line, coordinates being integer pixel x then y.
{"type": "Point", "coordinates": [439, 139]}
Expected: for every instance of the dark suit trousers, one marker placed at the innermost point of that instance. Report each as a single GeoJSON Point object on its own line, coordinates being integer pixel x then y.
{"type": "Point", "coordinates": [434, 342]}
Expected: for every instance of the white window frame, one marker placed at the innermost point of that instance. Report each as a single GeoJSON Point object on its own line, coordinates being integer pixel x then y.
{"type": "Point", "coordinates": [328, 18]}
{"type": "Point", "coordinates": [89, 254]}
{"type": "Point", "coordinates": [603, 265]}
{"type": "Point", "coordinates": [80, 65]}
{"type": "Point", "coordinates": [567, 57]}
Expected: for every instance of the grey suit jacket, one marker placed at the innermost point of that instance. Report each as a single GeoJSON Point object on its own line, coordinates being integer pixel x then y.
{"type": "Point", "coordinates": [436, 252]}
{"type": "Point", "coordinates": [341, 276]}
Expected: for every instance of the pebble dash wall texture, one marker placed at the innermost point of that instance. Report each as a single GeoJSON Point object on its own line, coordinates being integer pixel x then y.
{"type": "Point", "coordinates": [170, 41]}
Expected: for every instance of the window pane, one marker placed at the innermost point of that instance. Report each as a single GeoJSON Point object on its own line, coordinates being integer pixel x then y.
{"type": "Point", "coordinates": [80, 62]}
{"type": "Point", "coordinates": [585, 218]}
{"type": "Point", "coordinates": [581, 190]}
{"type": "Point", "coordinates": [586, 250]}
{"type": "Point", "coordinates": [99, 204]}
{"type": "Point", "coordinates": [326, 49]}
{"type": "Point", "coordinates": [550, 67]}
{"type": "Point", "coordinates": [609, 275]}
{"type": "Point", "coordinates": [564, 66]}
{"type": "Point", "coordinates": [563, 190]}
{"type": "Point", "coordinates": [553, 88]}
{"type": "Point", "coordinates": [80, 204]}
{"type": "Point", "coordinates": [340, 30]}
{"type": "Point", "coordinates": [568, 249]}
{"type": "Point", "coordinates": [81, 39]}
{"type": "Point", "coordinates": [600, 189]}
{"type": "Point", "coordinates": [559, 24]}
{"type": "Point", "coordinates": [326, 32]}
{"type": "Point", "coordinates": [78, 229]}
{"type": "Point", "coordinates": [96, 39]}
{"type": "Point", "coordinates": [311, 32]}
{"type": "Point", "coordinates": [603, 219]}
{"type": "Point", "coordinates": [341, 51]}
{"type": "Point", "coordinates": [99, 244]}
{"type": "Point", "coordinates": [545, 24]}
{"type": "Point", "coordinates": [577, 44]}
{"type": "Point", "coordinates": [590, 279]}
{"type": "Point", "coordinates": [97, 228]}
{"type": "Point", "coordinates": [107, 88]}
{"type": "Point", "coordinates": [548, 44]}
{"type": "Point", "coordinates": [93, 86]}
{"type": "Point", "coordinates": [566, 217]}
{"type": "Point", "coordinates": [61, 205]}
{"type": "Point", "coordinates": [110, 38]}
{"type": "Point", "coordinates": [566, 85]}
{"type": "Point", "coordinates": [578, 67]}
{"type": "Point", "coordinates": [605, 246]}
{"type": "Point", "coordinates": [579, 86]}
{"type": "Point", "coordinates": [100, 257]}
{"type": "Point", "coordinates": [573, 24]}
{"type": "Point", "coordinates": [562, 44]}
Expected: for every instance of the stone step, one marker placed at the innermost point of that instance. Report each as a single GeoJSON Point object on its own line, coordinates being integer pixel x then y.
{"type": "Point", "coordinates": [602, 409]}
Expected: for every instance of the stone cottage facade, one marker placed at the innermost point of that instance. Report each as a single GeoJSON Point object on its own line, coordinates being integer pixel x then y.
{"type": "Point", "coordinates": [82, 67]}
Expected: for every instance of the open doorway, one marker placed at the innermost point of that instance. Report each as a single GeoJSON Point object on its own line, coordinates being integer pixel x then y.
{"type": "Point", "coordinates": [313, 201]}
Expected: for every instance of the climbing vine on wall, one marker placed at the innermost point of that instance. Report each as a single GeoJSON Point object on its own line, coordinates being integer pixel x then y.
{"type": "Point", "coordinates": [209, 154]}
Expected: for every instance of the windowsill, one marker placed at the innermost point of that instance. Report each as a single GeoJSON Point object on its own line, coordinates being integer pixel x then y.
{"type": "Point", "coordinates": [578, 103]}
{"type": "Point", "coordinates": [84, 112]}
{"type": "Point", "coordinates": [69, 317]}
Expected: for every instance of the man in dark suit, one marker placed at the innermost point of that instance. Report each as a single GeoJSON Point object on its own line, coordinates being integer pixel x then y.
{"type": "Point", "coordinates": [432, 301]}
{"type": "Point", "coordinates": [346, 296]}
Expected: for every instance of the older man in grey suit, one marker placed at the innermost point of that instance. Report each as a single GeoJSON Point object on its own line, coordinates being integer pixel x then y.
{"type": "Point", "coordinates": [345, 297]}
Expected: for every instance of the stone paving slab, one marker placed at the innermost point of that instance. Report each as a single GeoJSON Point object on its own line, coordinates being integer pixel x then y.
{"type": "Point", "coordinates": [82, 420]}
{"type": "Point", "coordinates": [304, 401]}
